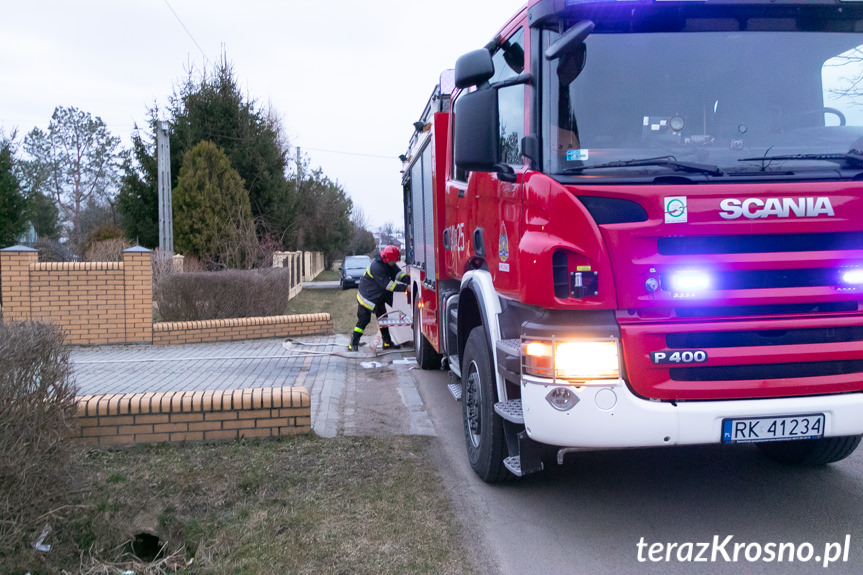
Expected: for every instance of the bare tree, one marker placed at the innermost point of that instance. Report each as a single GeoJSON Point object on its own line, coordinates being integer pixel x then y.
{"type": "Point", "coordinates": [74, 162]}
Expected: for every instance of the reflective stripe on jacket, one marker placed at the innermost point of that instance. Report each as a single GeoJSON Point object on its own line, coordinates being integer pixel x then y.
{"type": "Point", "coordinates": [379, 281]}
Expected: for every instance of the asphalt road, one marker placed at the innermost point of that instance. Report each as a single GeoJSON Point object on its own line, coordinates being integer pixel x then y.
{"type": "Point", "coordinates": [590, 515]}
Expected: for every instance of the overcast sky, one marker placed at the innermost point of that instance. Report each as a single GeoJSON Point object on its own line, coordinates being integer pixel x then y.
{"type": "Point", "coordinates": [347, 78]}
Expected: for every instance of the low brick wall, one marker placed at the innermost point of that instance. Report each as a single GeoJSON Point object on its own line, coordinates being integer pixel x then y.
{"type": "Point", "coordinates": [168, 333]}
{"type": "Point", "coordinates": [192, 416]}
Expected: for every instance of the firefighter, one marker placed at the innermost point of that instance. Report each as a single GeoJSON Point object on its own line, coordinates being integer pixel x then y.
{"type": "Point", "coordinates": [382, 278]}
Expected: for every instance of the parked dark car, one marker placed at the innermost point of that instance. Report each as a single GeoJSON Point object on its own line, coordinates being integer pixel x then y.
{"type": "Point", "coordinates": [352, 270]}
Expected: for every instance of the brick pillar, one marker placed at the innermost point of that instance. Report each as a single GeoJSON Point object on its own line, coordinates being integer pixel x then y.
{"type": "Point", "coordinates": [15, 269]}
{"type": "Point", "coordinates": [138, 281]}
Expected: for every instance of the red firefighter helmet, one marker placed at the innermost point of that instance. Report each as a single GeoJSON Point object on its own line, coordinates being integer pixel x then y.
{"type": "Point", "coordinates": [390, 254]}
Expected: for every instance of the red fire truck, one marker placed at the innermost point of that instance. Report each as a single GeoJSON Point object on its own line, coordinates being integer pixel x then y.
{"type": "Point", "coordinates": [640, 223]}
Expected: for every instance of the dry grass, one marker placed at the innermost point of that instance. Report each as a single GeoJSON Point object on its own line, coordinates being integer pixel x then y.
{"type": "Point", "coordinates": [305, 505]}
{"type": "Point", "coordinates": [340, 304]}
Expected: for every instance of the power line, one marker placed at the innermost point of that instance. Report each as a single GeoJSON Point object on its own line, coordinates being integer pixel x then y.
{"type": "Point", "coordinates": [187, 30]}
{"type": "Point", "coordinates": [351, 153]}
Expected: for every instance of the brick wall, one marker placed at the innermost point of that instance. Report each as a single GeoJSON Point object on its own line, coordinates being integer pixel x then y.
{"type": "Point", "coordinates": [167, 333]}
{"type": "Point", "coordinates": [95, 302]}
{"type": "Point", "coordinates": [112, 302]}
{"type": "Point", "coordinates": [192, 416]}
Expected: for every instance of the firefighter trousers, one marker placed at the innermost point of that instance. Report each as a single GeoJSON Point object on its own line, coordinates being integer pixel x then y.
{"type": "Point", "coordinates": [364, 316]}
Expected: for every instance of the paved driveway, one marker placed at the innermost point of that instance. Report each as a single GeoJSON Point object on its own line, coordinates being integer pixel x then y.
{"type": "Point", "coordinates": [352, 394]}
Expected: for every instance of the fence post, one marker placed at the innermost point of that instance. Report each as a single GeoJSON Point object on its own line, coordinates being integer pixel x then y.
{"type": "Point", "coordinates": [138, 282]}
{"type": "Point", "coordinates": [15, 269]}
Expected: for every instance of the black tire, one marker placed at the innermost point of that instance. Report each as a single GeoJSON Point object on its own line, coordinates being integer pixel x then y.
{"type": "Point", "coordinates": [811, 451]}
{"type": "Point", "coordinates": [483, 428]}
{"type": "Point", "coordinates": [427, 357]}
{"type": "Point", "coordinates": [342, 284]}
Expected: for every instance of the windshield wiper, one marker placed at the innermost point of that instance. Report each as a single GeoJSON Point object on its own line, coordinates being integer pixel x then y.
{"type": "Point", "coordinates": [838, 158]}
{"type": "Point", "coordinates": [664, 161]}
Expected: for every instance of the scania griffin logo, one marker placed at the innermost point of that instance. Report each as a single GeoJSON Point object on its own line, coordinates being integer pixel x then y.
{"type": "Point", "coordinates": [754, 208]}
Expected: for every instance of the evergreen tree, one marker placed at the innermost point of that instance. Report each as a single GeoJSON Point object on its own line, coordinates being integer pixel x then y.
{"type": "Point", "coordinates": [323, 215]}
{"type": "Point", "coordinates": [212, 108]}
{"type": "Point", "coordinates": [43, 214]}
{"type": "Point", "coordinates": [212, 215]}
{"type": "Point", "coordinates": [138, 200]}
{"type": "Point", "coordinates": [13, 219]}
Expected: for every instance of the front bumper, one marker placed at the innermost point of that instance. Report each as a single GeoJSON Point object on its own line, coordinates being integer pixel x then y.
{"type": "Point", "coordinates": [612, 416]}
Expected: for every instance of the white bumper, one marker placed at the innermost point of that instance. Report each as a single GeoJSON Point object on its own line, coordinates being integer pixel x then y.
{"type": "Point", "coordinates": [611, 416]}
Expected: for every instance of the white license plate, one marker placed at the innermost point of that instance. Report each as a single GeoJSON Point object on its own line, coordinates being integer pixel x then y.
{"type": "Point", "coordinates": [754, 429]}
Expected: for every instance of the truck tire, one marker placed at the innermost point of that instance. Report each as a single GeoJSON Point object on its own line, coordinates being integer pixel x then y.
{"type": "Point", "coordinates": [811, 451]}
{"type": "Point", "coordinates": [483, 428]}
{"type": "Point", "coordinates": [427, 357]}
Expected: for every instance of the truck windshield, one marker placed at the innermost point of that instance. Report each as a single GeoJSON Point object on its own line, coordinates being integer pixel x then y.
{"type": "Point", "coordinates": [732, 102]}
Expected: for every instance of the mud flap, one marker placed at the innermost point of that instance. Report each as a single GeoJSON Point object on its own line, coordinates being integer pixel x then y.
{"type": "Point", "coordinates": [525, 454]}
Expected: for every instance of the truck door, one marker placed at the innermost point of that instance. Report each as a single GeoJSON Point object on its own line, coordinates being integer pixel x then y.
{"type": "Point", "coordinates": [483, 209]}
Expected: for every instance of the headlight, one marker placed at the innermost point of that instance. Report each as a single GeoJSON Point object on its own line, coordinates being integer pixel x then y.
{"type": "Point", "coordinates": [577, 361]}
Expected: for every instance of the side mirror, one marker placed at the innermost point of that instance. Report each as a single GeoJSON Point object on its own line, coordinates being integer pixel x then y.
{"type": "Point", "coordinates": [477, 136]}
{"type": "Point", "coordinates": [473, 69]}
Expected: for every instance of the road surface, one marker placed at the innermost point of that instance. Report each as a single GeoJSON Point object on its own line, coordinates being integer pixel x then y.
{"type": "Point", "coordinates": [599, 511]}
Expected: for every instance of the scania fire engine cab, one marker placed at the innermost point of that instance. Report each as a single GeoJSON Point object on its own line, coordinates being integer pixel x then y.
{"type": "Point", "coordinates": [638, 223]}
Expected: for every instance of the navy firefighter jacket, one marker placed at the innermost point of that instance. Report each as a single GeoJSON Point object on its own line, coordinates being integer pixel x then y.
{"type": "Point", "coordinates": [379, 282]}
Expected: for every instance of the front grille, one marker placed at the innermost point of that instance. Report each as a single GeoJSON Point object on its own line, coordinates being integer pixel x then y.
{"type": "Point", "coordinates": [760, 310]}
{"type": "Point", "coordinates": [764, 337]}
{"type": "Point", "coordinates": [766, 371]}
{"type": "Point", "coordinates": [760, 244]}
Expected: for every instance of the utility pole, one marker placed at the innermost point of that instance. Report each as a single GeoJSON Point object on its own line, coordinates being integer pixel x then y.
{"type": "Point", "coordinates": [166, 218]}
{"type": "Point", "coordinates": [298, 169]}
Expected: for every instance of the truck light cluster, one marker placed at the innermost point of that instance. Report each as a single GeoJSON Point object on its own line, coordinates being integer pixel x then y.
{"type": "Point", "coordinates": [573, 361]}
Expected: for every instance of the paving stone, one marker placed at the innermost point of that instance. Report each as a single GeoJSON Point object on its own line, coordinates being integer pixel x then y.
{"type": "Point", "coordinates": [346, 398]}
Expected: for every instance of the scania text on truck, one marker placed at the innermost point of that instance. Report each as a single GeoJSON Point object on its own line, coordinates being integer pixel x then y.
{"type": "Point", "coordinates": [640, 223]}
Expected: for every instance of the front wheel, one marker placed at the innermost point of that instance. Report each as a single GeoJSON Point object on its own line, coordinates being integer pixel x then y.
{"type": "Point", "coordinates": [483, 428]}
{"type": "Point", "coordinates": [811, 451]}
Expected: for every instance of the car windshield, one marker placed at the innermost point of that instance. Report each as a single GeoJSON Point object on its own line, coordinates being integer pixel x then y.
{"type": "Point", "coordinates": [357, 262]}
{"type": "Point", "coordinates": [735, 99]}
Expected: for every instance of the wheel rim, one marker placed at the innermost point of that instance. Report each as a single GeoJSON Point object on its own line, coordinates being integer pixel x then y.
{"type": "Point", "coordinates": [473, 401]}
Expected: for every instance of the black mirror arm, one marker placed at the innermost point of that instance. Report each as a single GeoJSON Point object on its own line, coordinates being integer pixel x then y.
{"type": "Point", "coordinates": [505, 173]}
{"type": "Point", "coordinates": [569, 40]}
{"type": "Point", "coordinates": [523, 78]}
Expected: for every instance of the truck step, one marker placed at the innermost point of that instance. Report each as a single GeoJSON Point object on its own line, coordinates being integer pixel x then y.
{"type": "Point", "coordinates": [513, 464]}
{"type": "Point", "coordinates": [510, 410]}
{"type": "Point", "coordinates": [455, 390]}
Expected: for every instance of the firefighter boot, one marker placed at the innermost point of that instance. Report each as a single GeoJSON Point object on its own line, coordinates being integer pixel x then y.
{"type": "Point", "coordinates": [388, 341]}
{"type": "Point", "coordinates": [355, 341]}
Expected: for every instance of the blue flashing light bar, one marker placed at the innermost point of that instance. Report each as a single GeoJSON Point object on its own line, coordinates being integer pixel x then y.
{"type": "Point", "coordinates": [853, 277]}
{"type": "Point", "coordinates": [690, 280]}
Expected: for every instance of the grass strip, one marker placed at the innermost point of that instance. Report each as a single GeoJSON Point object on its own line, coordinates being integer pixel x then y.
{"type": "Point", "coordinates": [303, 504]}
